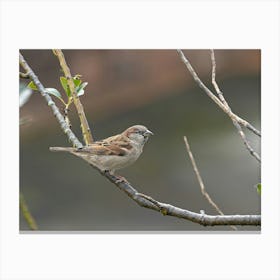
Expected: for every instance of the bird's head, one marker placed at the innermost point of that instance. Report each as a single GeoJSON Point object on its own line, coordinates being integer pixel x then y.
{"type": "Point", "coordinates": [138, 133]}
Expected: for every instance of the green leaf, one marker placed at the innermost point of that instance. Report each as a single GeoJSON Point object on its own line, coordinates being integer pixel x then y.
{"type": "Point", "coordinates": [80, 89]}
{"type": "Point", "coordinates": [259, 188]}
{"type": "Point", "coordinates": [77, 82]}
{"type": "Point", "coordinates": [64, 84]}
{"type": "Point", "coordinates": [54, 92]}
{"type": "Point", "coordinates": [32, 85]}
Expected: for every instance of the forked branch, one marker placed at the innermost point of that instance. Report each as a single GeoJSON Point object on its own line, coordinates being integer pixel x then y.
{"type": "Point", "coordinates": [225, 108]}
{"type": "Point", "coordinates": [235, 123]}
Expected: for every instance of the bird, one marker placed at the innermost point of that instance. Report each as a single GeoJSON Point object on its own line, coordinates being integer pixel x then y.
{"type": "Point", "coordinates": [115, 152]}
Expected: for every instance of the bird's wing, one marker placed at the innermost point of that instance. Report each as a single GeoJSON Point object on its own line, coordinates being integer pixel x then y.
{"type": "Point", "coordinates": [107, 148]}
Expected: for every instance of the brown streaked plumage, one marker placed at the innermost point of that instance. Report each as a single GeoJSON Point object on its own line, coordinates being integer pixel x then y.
{"type": "Point", "coordinates": [114, 152]}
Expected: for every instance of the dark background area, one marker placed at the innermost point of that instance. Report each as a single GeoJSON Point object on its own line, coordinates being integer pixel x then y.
{"type": "Point", "coordinates": [153, 88]}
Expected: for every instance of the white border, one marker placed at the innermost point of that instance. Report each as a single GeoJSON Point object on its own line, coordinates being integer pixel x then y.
{"type": "Point", "coordinates": [155, 24]}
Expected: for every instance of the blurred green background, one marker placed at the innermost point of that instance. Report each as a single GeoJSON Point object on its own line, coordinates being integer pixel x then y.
{"type": "Point", "coordinates": [153, 88]}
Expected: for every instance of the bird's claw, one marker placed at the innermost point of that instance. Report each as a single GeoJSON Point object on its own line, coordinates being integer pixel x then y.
{"type": "Point", "coordinates": [120, 179]}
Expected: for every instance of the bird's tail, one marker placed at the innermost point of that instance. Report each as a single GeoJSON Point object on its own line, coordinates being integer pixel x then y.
{"type": "Point", "coordinates": [62, 149]}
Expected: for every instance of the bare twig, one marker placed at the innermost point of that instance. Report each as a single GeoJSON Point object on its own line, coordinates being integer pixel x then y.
{"type": "Point", "coordinates": [235, 123]}
{"type": "Point", "coordinates": [200, 181]}
{"type": "Point", "coordinates": [64, 126]}
{"type": "Point", "coordinates": [216, 99]}
{"type": "Point", "coordinates": [220, 94]}
{"type": "Point", "coordinates": [80, 109]}
{"type": "Point", "coordinates": [245, 141]}
{"type": "Point", "coordinates": [26, 213]}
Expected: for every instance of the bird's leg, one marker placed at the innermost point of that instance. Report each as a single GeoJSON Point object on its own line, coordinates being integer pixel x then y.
{"type": "Point", "coordinates": [107, 172]}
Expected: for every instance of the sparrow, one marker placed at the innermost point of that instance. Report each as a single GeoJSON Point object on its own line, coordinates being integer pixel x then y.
{"type": "Point", "coordinates": [114, 152]}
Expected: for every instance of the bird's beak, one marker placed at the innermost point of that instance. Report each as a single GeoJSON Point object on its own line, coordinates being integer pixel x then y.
{"type": "Point", "coordinates": [148, 133]}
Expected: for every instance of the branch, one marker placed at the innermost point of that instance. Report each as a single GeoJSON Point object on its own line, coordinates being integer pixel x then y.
{"type": "Point", "coordinates": [233, 116]}
{"type": "Point", "coordinates": [220, 94]}
{"type": "Point", "coordinates": [84, 123]}
{"type": "Point", "coordinates": [170, 210]}
{"type": "Point", "coordinates": [64, 126]}
{"type": "Point", "coordinates": [235, 123]}
{"type": "Point", "coordinates": [200, 181]}
{"type": "Point", "coordinates": [26, 213]}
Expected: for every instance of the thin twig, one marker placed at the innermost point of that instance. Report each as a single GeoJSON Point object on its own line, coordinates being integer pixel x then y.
{"type": "Point", "coordinates": [80, 109]}
{"type": "Point", "coordinates": [26, 213]}
{"type": "Point", "coordinates": [245, 141]}
{"type": "Point", "coordinates": [220, 94]}
{"type": "Point", "coordinates": [235, 123]}
{"type": "Point", "coordinates": [214, 98]}
{"type": "Point", "coordinates": [200, 181]}
{"type": "Point", "coordinates": [64, 126]}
